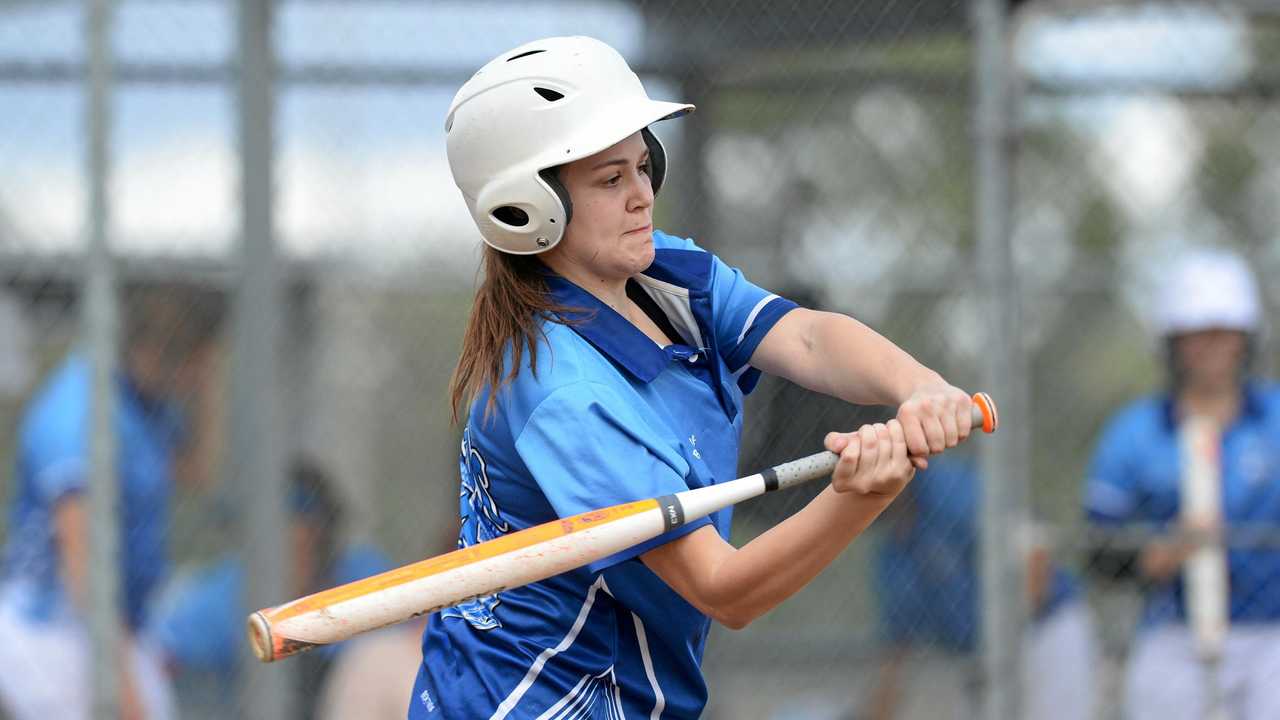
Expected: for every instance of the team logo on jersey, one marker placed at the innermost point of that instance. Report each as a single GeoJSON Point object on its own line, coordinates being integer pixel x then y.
{"type": "Point", "coordinates": [481, 521]}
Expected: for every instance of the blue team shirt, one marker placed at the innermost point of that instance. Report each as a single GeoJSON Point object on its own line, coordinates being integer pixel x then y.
{"type": "Point", "coordinates": [926, 563]}
{"type": "Point", "coordinates": [53, 462]}
{"type": "Point", "coordinates": [1135, 477]}
{"type": "Point", "coordinates": [199, 620]}
{"type": "Point", "coordinates": [609, 418]}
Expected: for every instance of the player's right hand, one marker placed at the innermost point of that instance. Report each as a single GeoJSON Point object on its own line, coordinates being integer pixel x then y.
{"type": "Point", "coordinates": [873, 460]}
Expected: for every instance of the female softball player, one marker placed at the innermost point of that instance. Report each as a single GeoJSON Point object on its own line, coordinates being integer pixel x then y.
{"type": "Point", "coordinates": [606, 361]}
{"type": "Point", "coordinates": [1210, 319]}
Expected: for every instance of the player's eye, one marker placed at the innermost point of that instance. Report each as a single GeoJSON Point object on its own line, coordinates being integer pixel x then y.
{"type": "Point", "coordinates": [613, 180]}
{"type": "Point", "coordinates": [644, 167]}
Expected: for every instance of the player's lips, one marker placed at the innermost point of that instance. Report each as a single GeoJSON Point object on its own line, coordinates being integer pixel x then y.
{"type": "Point", "coordinates": [646, 228]}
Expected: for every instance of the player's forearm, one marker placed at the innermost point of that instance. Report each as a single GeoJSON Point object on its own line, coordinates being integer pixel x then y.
{"type": "Point", "coordinates": [71, 530]}
{"type": "Point", "coordinates": [750, 582]}
{"type": "Point", "coordinates": [839, 356]}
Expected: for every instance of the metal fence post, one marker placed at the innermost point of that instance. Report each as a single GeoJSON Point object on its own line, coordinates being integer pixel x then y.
{"type": "Point", "coordinates": [268, 690]}
{"type": "Point", "coordinates": [1003, 460]}
{"type": "Point", "coordinates": [99, 317]}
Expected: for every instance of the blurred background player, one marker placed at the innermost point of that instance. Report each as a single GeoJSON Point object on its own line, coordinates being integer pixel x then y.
{"type": "Point", "coordinates": [1209, 320]}
{"type": "Point", "coordinates": [199, 622]}
{"type": "Point", "coordinates": [373, 678]}
{"type": "Point", "coordinates": [164, 375]}
{"type": "Point", "coordinates": [927, 584]}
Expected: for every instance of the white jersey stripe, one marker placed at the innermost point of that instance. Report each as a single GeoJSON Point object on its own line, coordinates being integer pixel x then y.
{"type": "Point", "coordinates": [536, 668]}
{"type": "Point", "coordinates": [659, 700]}
{"type": "Point", "coordinates": [581, 707]}
{"type": "Point", "coordinates": [572, 697]}
{"type": "Point", "coordinates": [618, 712]}
{"type": "Point", "coordinates": [751, 317]}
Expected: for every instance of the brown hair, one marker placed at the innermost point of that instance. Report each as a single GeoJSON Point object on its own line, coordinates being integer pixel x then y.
{"type": "Point", "coordinates": [511, 298]}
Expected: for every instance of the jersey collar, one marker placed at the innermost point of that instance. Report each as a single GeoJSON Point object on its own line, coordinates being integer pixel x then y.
{"type": "Point", "coordinates": [614, 335]}
{"type": "Point", "coordinates": [1253, 406]}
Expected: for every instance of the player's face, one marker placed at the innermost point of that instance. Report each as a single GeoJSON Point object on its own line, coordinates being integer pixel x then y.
{"type": "Point", "coordinates": [1211, 358]}
{"type": "Point", "coordinates": [611, 233]}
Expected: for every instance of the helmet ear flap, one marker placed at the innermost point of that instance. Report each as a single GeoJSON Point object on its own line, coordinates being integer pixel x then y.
{"type": "Point", "coordinates": [657, 159]}
{"type": "Point", "coordinates": [551, 176]}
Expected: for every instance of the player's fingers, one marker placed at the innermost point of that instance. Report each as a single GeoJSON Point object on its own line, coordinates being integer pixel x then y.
{"type": "Point", "coordinates": [950, 429]}
{"type": "Point", "coordinates": [919, 463]}
{"type": "Point", "coordinates": [884, 448]}
{"type": "Point", "coordinates": [870, 450]}
{"type": "Point", "coordinates": [935, 435]}
{"type": "Point", "coordinates": [898, 441]}
{"type": "Point", "coordinates": [964, 417]}
{"type": "Point", "coordinates": [917, 442]}
{"type": "Point", "coordinates": [836, 442]}
{"type": "Point", "coordinates": [845, 473]}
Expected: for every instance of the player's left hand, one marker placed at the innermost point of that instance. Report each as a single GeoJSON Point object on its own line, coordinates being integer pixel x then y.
{"type": "Point", "coordinates": [937, 416]}
{"type": "Point", "coordinates": [873, 460]}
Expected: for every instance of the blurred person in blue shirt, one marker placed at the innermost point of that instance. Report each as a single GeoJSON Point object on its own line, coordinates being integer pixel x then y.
{"type": "Point", "coordinates": [1209, 319]}
{"type": "Point", "coordinates": [200, 618]}
{"type": "Point", "coordinates": [927, 583]}
{"type": "Point", "coordinates": [164, 375]}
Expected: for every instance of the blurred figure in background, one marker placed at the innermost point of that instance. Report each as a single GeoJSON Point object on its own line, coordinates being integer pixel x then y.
{"type": "Point", "coordinates": [927, 582]}
{"type": "Point", "coordinates": [200, 619]}
{"type": "Point", "coordinates": [167, 355]}
{"type": "Point", "coordinates": [372, 678]}
{"type": "Point", "coordinates": [1209, 320]}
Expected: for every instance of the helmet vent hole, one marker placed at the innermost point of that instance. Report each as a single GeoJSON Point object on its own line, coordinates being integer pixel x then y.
{"type": "Point", "coordinates": [548, 94]}
{"type": "Point", "coordinates": [525, 54]}
{"type": "Point", "coordinates": [510, 215]}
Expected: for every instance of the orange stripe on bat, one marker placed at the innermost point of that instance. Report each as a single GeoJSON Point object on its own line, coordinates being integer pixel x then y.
{"type": "Point", "coordinates": [459, 558]}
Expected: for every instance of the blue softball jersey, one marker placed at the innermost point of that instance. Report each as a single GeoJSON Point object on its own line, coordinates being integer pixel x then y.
{"type": "Point", "coordinates": [926, 563]}
{"type": "Point", "coordinates": [609, 417]}
{"type": "Point", "coordinates": [53, 462]}
{"type": "Point", "coordinates": [1134, 478]}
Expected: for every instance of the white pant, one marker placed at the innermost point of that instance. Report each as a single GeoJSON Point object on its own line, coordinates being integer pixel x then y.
{"type": "Point", "coordinates": [44, 671]}
{"type": "Point", "coordinates": [1167, 681]}
{"type": "Point", "coordinates": [1058, 682]}
{"type": "Point", "coordinates": [1059, 657]}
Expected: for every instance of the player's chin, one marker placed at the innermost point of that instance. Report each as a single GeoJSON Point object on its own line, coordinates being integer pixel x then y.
{"type": "Point", "coordinates": [640, 253]}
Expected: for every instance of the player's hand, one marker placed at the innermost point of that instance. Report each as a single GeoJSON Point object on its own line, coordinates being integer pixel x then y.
{"type": "Point", "coordinates": [873, 460]}
{"type": "Point", "coordinates": [1161, 560]}
{"type": "Point", "coordinates": [936, 417]}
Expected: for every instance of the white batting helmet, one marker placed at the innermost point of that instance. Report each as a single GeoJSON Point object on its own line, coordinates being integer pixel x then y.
{"type": "Point", "coordinates": [1210, 289]}
{"type": "Point", "coordinates": [531, 109]}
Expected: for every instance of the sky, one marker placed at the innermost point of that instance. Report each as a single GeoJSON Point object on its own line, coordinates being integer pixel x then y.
{"type": "Point", "coordinates": [362, 172]}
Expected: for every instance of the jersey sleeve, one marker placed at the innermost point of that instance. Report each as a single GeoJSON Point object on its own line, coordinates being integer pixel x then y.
{"type": "Point", "coordinates": [198, 619]}
{"type": "Point", "coordinates": [1110, 495]}
{"type": "Point", "coordinates": [744, 314]}
{"type": "Point", "coordinates": [55, 453]}
{"type": "Point", "coordinates": [586, 448]}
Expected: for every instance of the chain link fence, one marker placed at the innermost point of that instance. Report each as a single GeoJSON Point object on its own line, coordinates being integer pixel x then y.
{"type": "Point", "coordinates": [832, 158]}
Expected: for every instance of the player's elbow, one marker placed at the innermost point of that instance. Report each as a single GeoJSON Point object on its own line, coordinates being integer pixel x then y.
{"type": "Point", "coordinates": [734, 618]}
